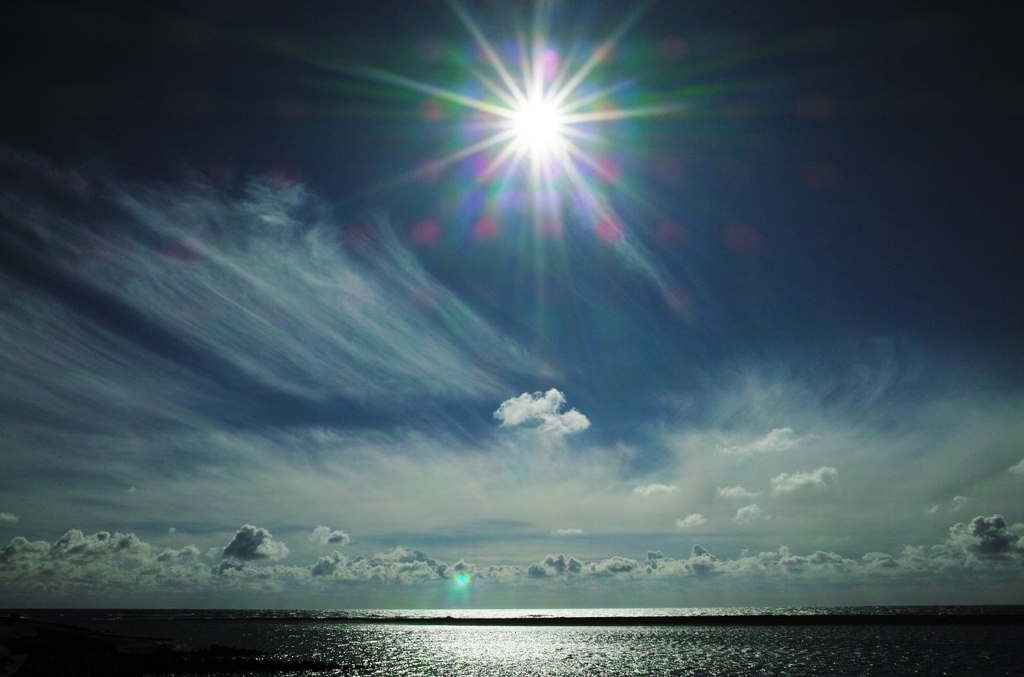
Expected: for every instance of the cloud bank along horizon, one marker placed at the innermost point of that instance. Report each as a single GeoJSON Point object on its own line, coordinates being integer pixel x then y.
{"type": "Point", "coordinates": [177, 361]}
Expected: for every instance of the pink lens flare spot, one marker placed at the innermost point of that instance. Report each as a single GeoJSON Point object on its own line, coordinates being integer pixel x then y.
{"type": "Point", "coordinates": [607, 170]}
{"type": "Point", "coordinates": [820, 174]}
{"type": "Point", "coordinates": [670, 233]}
{"type": "Point", "coordinates": [426, 232]}
{"type": "Point", "coordinates": [549, 228]}
{"type": "Point", "coordinates": [284, 174]}
{"type": "Point", "coordinates": [358, 236]}
{"type": "Point", "coordinates": [190, 106]}
{"type": "Point", "coordinates": [483, 168]}
{"type": "Point", "coordinates": [549, 64]}
{"type": "Point", "coordinates": [609, 229]}
{"type": "Point", "coordinates": [289, 109]}
{"type": "Point", "coordinates": [423, 296]}
{"type": "Point", "coordinates": [814, 107]}
{"type": "Point", "coordinates": [431, 51]}
{"type": "Point", "coordinates": [431, 111]}
{"type": "Point", "coordinates": [485, 229]}
{"type": "Point", "coordinates": [743, 238]}
{"type": "Point", "coordinates": [668, 169]}
{"type": "Point", "coordinates": [671, 48]}
{"type": "Point", "coordinates": [430, 174]}
{"type": "Point", "coordinates": [680, 302]}
{"type": "Point", "coordinates": [182, 250]}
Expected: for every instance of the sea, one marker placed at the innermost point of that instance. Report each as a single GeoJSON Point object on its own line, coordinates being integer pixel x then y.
{"type": "Point", "coordinates": [593, 642]}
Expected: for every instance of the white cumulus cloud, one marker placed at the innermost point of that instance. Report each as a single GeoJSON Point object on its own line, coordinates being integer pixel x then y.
{"type": "Point", "coordinates": [960, 502]}
{"type": "Point", "coordinates": [254, 543]}
{"type": "Point", "coordinates": [8, 518]}
{"type": "Point", "coordinates": [567, 532]}
{"type": "Point", "coordinates": [541, 410]}
{"type": "Point", "coordinates": [734, 492]}
{"type": "Point", "coordinates": [822, 477]}
{"type": "Point", "coordinates": [1018, 469]}
{"type": "Point", "coordinates": [779, 439]}
{"type": "Point", "coordinates": [692, 520]}
{"type": "Point", "coordinates": [747, 513]}
{"type": "Point", "coordinates": [325, 535]}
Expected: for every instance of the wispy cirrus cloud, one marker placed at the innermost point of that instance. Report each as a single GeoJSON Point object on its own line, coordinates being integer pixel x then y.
{"type": "Point", "coordinates": [161, 291]}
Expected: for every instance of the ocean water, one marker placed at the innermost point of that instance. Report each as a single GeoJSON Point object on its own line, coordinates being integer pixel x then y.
{"type": "Point", "coordinates": [398, 648]}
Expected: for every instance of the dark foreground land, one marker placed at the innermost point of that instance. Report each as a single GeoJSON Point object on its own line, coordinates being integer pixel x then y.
{"type": "Point", "coordinates": [36, 649]}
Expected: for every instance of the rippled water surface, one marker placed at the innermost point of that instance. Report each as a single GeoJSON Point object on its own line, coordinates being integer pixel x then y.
{"type": "Point", "coordinates": [407, 650]}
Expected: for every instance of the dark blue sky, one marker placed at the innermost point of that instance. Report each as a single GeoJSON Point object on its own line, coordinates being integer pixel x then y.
{"type": "Point", "coordinates": [785, 308]}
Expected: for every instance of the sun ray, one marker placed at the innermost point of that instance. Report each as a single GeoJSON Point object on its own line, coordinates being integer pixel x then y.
{"type": "Point", "coordinates": [600, 54]}
{"type": "Point", "coordinates": [443, 162]}
{"type": "Point", "coordinates": [493, 87]}
{"type": "Point", "coordinates": [544, 116]}
{"type": "Point", "coordinates": [488, 50]}
{"type": "Point", "coordinates": [386, 77]}
{"type": "Point", "coordinates": [499, 161]}
{"type": "Point", "coordinates": [624, 113]}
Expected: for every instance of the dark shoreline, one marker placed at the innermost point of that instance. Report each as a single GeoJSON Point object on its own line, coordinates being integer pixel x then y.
{"type": "Point", "coordinates": [626, 621]}
{"type": "Point", "coordinates": [791, 619]}
{"type": "Point", "coordinates": [766, 620]}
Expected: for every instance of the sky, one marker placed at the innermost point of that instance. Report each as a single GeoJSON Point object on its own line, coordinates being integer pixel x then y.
{"type": "Point", "coordinates": [511, 304]}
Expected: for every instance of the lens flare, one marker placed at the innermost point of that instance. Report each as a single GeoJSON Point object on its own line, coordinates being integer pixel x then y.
{"type": "Point", "coordinates": [539, 128]}
{"type": "Point", "coordinates": [535, 117]}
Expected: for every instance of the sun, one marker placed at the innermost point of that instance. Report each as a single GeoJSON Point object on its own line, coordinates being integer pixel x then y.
{"type": "Point", "coordinates": [537, 105]}
{"type": "Point", "coordinates": [539, 128]}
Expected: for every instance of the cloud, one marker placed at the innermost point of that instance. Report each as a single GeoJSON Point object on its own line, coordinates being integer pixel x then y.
{"type": "Point", "coordinates": [8, 518]}
{"type": "Point", "coordinates": [933, 510]}
{"type": "Point", "coordinates": [567, 532]}
{"type": "Point", "coordinates": [541, 409]}
{"type": "Point", "coordinates": [329, 564]}
{"type": "Point", "coordinates": [779, 439]}
{"type": "Point", "coordinates": [747, 513]}
{"type": "Point", "coordinates": [648, 490]}
{"type": "Point", "coordinates": [822, 477]}
{"type": "Point", "coordinates": [1018, 469]}
{"type": "Point", "coordinates": [553, 566]}
{"type": "Point", "coordinates": [118, 565]}
{"type": "Point", "coordinates": [960, 502]}
{"type": "Point", "coordinates": [690, 521]}
{"type": "Point", "coordinates": [986, 536]}
{"type": "Point", "coordinates": [251, 543]}
{"type": "Point", "coordinates": [163, 299]}
{"type": "Point", "coordinates": [325, 535]}
{"type": "Point", "coordinates": [734, 492]}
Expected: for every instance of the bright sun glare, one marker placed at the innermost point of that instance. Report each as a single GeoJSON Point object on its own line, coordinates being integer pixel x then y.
{"type": "Point", "coordinates": [538, 108]}
{"type": "Point", "coordinates": [538, 126]}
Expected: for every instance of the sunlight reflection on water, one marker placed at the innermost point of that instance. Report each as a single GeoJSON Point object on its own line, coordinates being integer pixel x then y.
{"type": "Point", "coordinates": [407, 650]}
{"type": "Point", "coordinates": [615, 651]}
